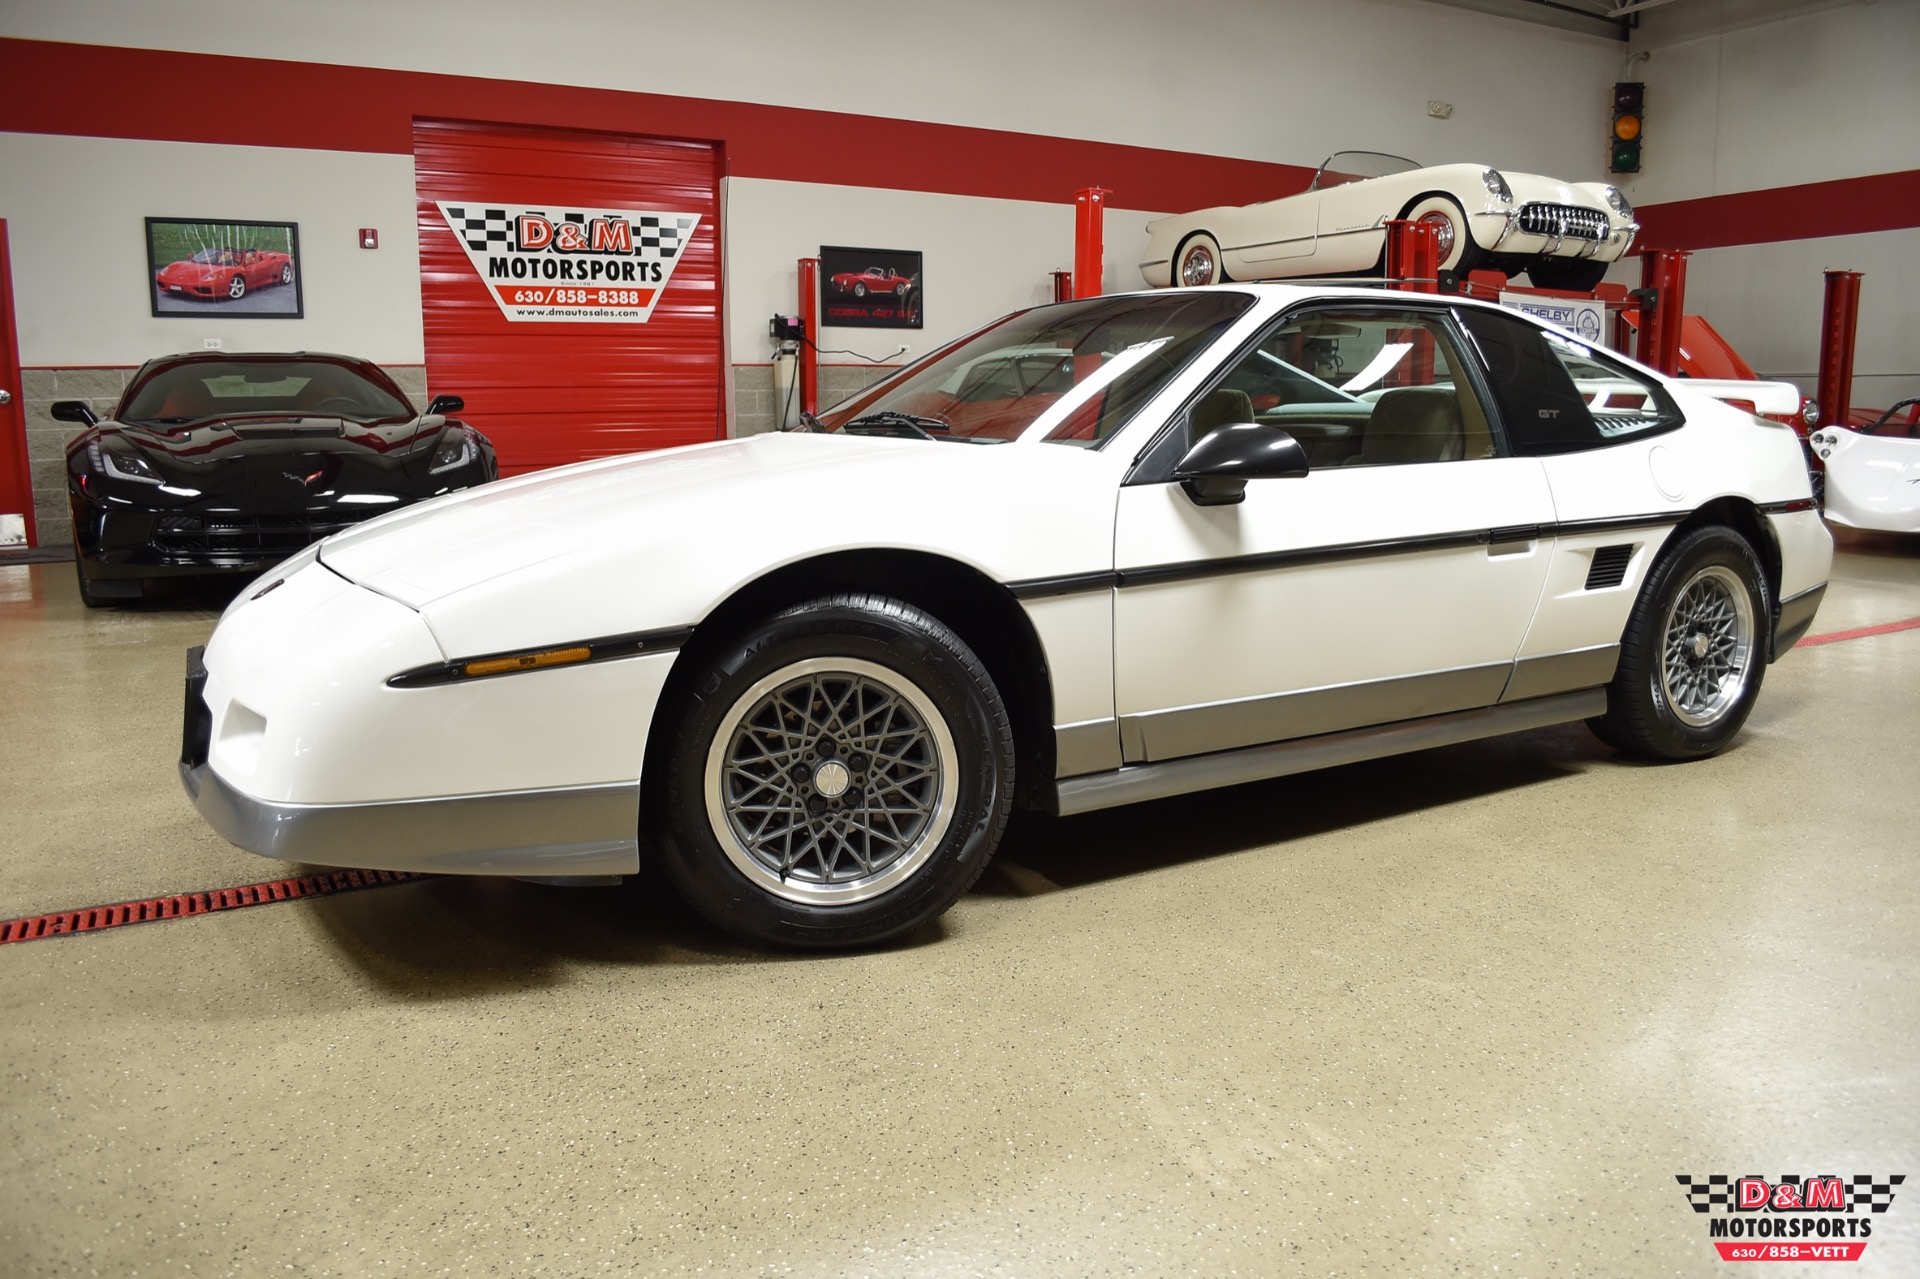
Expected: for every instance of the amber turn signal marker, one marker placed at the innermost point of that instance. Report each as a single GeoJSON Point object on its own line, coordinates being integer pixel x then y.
{"type": "Point", "coordinates": [526, 661]}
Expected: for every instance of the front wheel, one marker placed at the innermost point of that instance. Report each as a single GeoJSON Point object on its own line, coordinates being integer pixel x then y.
{"type": "Point", "coordinates": [1198, 262]}
{"type": "Point", "coordinates": [237, 287]}
{"type": "Point", "coordinates": [859, 290]}
{"type": "Point", "coordinates": [1458, 252]}
{"type": "Point", "coordinates": [838, 777]}
{"type": "Point", "coordinates": [1693, 653]}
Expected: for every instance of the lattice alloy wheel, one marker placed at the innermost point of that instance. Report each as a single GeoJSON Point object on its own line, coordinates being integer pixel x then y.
{"type": "Point", "coordinates": [831, 781]}
{"type": "Point", "coordinates": [1693, 654]}
{"type": "Point", "coordinates": [1708, 650]}
{"type": "Point", "coordinates": [835, 776]}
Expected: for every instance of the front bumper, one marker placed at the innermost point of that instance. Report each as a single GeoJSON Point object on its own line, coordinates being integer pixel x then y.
{"type": "Point", "coordinates": [1503, 231]}
{"type": "Point", "coordinates": [126, 541]}
{"type": "Point", "coordinates": [582, 830]}
{"type": "Point", "coordinates": [562, 831]}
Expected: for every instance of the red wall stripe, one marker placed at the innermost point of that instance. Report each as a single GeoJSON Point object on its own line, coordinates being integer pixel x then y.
{"type": "Point", "coordinates": [110, 92]}
{"type": "Point", "coordinates": [1849, 206]}
{"type": "Point", "coordinates": [103, 91]}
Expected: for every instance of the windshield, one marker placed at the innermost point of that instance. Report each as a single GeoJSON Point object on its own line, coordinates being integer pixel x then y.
{"type": "Point", "coordinates": [1074, 372]}
{"type": "Point", "coordinates": [1343, 167]}
{"type": "Point", "coordinates": [217, 389]}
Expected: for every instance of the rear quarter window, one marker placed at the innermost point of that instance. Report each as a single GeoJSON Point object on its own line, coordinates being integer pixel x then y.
{"type": "Point", "coordinates": [1557, 395]}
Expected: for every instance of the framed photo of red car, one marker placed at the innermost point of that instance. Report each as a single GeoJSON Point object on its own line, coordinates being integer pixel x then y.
{"type": "Point", "coordinates": [870, 288]}
{"type": "Point", "coordinates": [224, 267]}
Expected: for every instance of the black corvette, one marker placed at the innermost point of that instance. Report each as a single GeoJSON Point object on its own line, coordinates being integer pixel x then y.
{"type": "Point", "coordinates": [218, 463]}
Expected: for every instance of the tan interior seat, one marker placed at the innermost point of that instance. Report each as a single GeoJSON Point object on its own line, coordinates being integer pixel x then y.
{"type": "Point", "coordinates": [1222, 407]}
{"type": "Point", "coordinates": [1413, 424]}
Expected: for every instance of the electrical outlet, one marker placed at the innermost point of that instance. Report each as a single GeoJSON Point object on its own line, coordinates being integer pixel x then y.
{"type": "Point", "coordinates": [1440, 110]}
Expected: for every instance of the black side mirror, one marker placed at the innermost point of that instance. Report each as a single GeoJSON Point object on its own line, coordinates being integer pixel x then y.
{"type": "Point", "coordinates": [443, 404]}
{"type": "Point", "coordinates": [1216, 470]}
{"type": "Point", "coordinates": [76, 411]}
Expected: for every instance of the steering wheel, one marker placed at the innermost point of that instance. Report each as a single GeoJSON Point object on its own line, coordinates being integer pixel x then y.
{"type": "Point", "coordinates": [336, 403]}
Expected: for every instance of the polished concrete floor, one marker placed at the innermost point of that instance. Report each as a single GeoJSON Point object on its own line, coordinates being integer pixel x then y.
{"type": "Point", "coordinates": [1465, 1012]}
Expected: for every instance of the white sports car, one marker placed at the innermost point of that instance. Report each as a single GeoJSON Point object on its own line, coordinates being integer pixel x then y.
{"type": "Point", "coordinates": [1563, 235]}
{"type": "Point", "coordinates": [1873, 472]}
{"type": "Point", "coordinates": [1209, 536]}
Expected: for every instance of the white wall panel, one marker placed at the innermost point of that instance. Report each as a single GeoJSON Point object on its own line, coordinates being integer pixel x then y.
{"type": "Point", "coordinates": [75, 209]}
{"type": "Point", "coordinates": [1766, 300]}
{"type": "Point", "coordinates": [982, 258]}
{"type": "Point", "coordinates": [1279, 80]}
{"type": "Point", "coordinates": [1825, 95]}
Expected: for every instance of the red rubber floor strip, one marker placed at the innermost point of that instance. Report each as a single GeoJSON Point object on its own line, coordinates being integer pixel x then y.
{"type": "Point", "coordinates": [1860, 632]}
{"type": "Point", "coordinates": [93, 919]}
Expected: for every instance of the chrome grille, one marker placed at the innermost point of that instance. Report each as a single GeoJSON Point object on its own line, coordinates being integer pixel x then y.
{"type": "Point", "coordinates": [1568, 221]}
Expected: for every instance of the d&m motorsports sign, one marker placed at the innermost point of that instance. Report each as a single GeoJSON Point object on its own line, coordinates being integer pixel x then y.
{"type": "Point", "coordinates": [594, 266]}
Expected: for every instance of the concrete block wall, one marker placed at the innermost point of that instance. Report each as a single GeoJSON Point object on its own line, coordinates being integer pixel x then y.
{"type": "Point", "coordinates": [754, 408]}
{"type": "Point", "coordinates": [100, 387]}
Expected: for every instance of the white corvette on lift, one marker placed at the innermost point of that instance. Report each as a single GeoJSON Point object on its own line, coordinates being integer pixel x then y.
{"type": "Point", "coordinates": [1186, 539]}
{"type": "Point", "coordinates": [1562, 234]}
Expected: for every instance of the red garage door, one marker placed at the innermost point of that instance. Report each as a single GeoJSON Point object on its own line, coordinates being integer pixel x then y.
{"type": "Point", "coordinates": [571, 283]}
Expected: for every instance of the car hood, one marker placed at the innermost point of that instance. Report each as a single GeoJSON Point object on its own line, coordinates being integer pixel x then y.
{"type": "Point", "coordinates": [681, 524]}
{"type": "Point", "coordinates": [210, 444]}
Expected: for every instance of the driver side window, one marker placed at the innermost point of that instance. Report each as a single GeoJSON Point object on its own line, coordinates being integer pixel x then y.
{"type": "Point", "coordinates": [1357, 386]}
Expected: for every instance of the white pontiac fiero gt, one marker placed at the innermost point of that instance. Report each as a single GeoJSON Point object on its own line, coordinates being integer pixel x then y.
{"type": "Point", "coordinates": [1097, 552]}
{"type": "Point", "coordinates": [1562, 234]}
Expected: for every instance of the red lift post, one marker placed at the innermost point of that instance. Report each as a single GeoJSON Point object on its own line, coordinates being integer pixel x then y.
{"type": "Point", "coordinates": [809, 335]}
{"type": "Point", "coordinates": [1663, 283]}
{"type": "Point", "coordinates": [1089, 240]}
{"type": "Point", "coordinates": [1413, 255]}
{"type": "Point", "coordinates": [1838, 322]}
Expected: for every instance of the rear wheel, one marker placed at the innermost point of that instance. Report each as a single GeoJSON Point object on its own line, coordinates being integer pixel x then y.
{"type": "Point", "coordinates": [286, 274]}
{"type": "Point", "coordinates": [838, 777]}
{"type": "Point", "coordinates": [1693, 653]}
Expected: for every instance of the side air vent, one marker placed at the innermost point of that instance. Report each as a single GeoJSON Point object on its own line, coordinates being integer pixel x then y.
{"type": "Point", "coordinates": [1609, 567]}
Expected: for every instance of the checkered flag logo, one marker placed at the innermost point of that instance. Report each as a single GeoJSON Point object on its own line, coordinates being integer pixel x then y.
{"type": "Point", "coordinates": [1865, 1191]}
{"type": "Point", "coordinates": [481, 229]}
{"type": "Point", "coordinates": [1715, 1192]}
{"type": "Point", "coordinates": [1873, 1193]}
{"type": "Point", "coordinates": [607, 266]}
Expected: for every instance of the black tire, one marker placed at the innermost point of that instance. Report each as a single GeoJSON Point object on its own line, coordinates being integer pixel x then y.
{"type": "Point", "coordinates": [928, 823]}
{"type": "Point", "coordinates": [1570, 274]}
{"type": "Point", "coordinates": [1694, 651]}
{"type": "Point", "coordinates": [106, 594]}
{"type": "Point", "coordinates": [859, 290]}
{"type": "Point", "coordinates": [1198, 262]}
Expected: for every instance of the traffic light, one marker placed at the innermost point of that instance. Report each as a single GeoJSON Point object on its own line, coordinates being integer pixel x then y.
{"type": "Point", "coordinates": [1623, 145]}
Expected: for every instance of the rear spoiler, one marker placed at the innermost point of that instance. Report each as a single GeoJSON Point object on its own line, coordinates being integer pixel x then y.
{"type": "Point", "coordinates": [1766, 397]}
